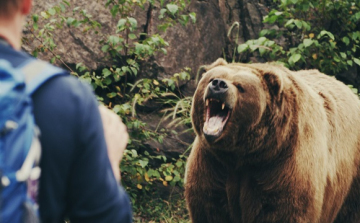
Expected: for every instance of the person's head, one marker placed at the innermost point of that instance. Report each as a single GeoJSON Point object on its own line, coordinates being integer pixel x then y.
{"type": "Point", "coordinates": [12, 19]}
{"type": "Point", "coordinates": [9, 7]}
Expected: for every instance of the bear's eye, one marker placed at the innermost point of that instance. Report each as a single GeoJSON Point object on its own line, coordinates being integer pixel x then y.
{"type": "Point", "coordinates": [211, 80]}
{"type": "Point", "coordinates": [241, 89]}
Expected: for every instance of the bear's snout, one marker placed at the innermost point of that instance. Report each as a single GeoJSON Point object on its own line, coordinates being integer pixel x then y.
{"type": "Point", "coordinates": [218, 86]}
{"type": "Point", "coordinates": [217, 89]}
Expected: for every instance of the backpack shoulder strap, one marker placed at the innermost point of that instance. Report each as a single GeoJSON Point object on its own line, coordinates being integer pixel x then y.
{"type": "Point", "coordinates": [38, 72]}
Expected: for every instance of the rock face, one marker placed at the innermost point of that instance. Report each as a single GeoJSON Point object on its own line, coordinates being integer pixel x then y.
{"type": "Point", "coordinates": [72, 45]}
{"type": "Point", "coordinates": [190, 46]}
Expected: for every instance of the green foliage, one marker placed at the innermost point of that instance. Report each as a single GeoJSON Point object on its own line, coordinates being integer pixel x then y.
{"type": "Point", "coordinates": [144, 172]}
{"type": "Point", "coordinates": [314, 34]}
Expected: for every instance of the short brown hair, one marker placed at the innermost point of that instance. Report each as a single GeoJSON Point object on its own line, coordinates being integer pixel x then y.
{"type": "Point", "coordinates": [8, 6]}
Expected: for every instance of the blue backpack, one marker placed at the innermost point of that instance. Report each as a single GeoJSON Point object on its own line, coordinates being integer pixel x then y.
{"type": "Point", "coordinates": [20, 148]}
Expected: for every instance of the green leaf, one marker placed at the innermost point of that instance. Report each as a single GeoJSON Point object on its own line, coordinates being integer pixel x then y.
{"type": "Point", "coordinates": [357, 61]}
{"type": "Point", "coordinates": [63, 7]}
{"type": "Point", "coordinates": [355, 90]}
{"type": "Point", "coordinates": [261, 40]}
{"type": "Point", "coordinates": [184, 76]}
{"type": "Point", "coordinates": [184, 19]}
{"type": "Point", "coordinates": [66, 2]}
{"type": "Point", "coordinates": [81, 68]}
{"type": "Point", "coordinates": [346, 40]}
{"type": "Point", "coordinates": [132, 36]}
{"type": "Point", "coordinates": [114, 10]}
{"type": "Point", "coordinates": [179, 163]}
{"type": "Point", "coordinates": [298, 23]}
{"type": "Point", "coordinates": [35, 18]}
{"type": "Point", "coordinates": [172, 8]}
{"type": "Point", "coordinates": [35, 53]}
{"type": "Point", "coordinates": [289, 22]}
{"type": "Point", "coordinates": [294, 58]}
{"type": "Point", "coordinates": [52, 60]}
{"type": "Point", "coordinates": [105, 48]}
{"type": "Point", "coordinates": [107, 81]}
{"type": "Point", "coordinates": [150, 172]}
{"type": "Point", "coordinates": [106, 72]}
{"type": "Point", "coordinates": [85, 79]}
{"type": "Point", "coordinates": [264, 32]}
{"type": "Point", "coordinates": [162, 13]}
{"type": "Point", "coordinates": [35, 26]}
{"type": "Point", "coordinates": [78, 65]}
{"type": "Point", "coordinates": [356, 35]}
{"type": "Point", "coordinates": [253, 47]}
{"type": "Point", "coordinates": [117, 109]}
{"type": "Point", "coordinates": [121, 24]}
{"type": "Point", "coordinates": [156, 174]}
{"type": "Point", "coordinates": [134, 153]}
{"type": "Point", "coordinates": [170, 82]}
{"type": "Point", "coordinates": [44, 14]}
{"type": "Point", "coordinates": [306, 26]}
{"type": "Point", "coordinates": [114, 40]}
{"type": "Point", "coordinates": [133, 22]}
{"type": "Point", "coordinates": [262, 51]}
{"type": "Point", "coordinates": [308, 42]}
{"type": "Point", "coordinates": [356, 16]}
{"type": "Point", "coordinates": [324, 32]}
{"type": "Point", "coordinates": [52, 11]}
{"type": "Point", "coordinates": [349, 62]}
{"type": "Point", "coordinates": [163, 50]}
{"type": "Point", "coordinates": [69, 21]}
{"type": "Point", "coordinates": [143, 163]}
{"type": "Point", "coordinates": [134, 70]}
{"type": "Point", "coordinates": [176, 178]}
{"type": "Point", "coordinates": [343, 55]}
{"type": "Point", "coordinates": [193, 17]}
{"type": "Point", "coordinates": [111, 95]}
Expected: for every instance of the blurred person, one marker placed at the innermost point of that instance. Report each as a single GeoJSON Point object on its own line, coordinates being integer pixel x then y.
{"type": "Point", "coordinates": [79, 163]}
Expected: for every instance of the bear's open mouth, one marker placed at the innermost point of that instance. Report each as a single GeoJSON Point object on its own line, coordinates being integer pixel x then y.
{"type": "Point", "coordinates": [217, 115]}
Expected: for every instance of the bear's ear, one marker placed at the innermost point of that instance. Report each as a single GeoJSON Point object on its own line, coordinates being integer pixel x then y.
{"type": "Point", "coordinates": [218, 62]}
{"type": "Point", "coordinates": [274, 83]}
{"type": "Point", "coordinates": [204, 68]}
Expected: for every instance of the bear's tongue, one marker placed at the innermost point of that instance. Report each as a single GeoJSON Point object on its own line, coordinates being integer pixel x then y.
{"type": "Point", "coordinates": [215, 122]}
{"type": "Point", "coordinates": [214, 125]}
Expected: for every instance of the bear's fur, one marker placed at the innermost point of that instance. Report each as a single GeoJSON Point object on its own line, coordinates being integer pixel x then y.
{"type": "Point", "coordinates": [288, 152]}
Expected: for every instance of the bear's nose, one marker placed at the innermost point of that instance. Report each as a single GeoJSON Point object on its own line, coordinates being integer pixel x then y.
{"type": "Point", "coordinates": [218, 86]}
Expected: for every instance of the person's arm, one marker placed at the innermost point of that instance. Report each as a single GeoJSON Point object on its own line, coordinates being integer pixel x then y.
{"type": "Point", "coordinates": [116, 137]}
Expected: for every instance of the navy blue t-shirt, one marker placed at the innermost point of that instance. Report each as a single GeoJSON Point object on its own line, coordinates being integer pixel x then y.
{"type": "Point", "coordinates": [76, 181]}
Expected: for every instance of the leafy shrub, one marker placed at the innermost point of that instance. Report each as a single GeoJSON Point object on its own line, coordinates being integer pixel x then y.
{"type": "Point", "coordinates": [143, 172]}
{"type": "Point", "coordinates": [309, 34]}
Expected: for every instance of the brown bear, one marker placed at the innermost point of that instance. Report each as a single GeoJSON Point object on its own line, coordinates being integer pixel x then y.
{"type": "Point", "coordinates": [273, 145]}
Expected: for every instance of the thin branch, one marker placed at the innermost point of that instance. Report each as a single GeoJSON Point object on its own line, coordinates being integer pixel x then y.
{"type": "Point", "coordinates": [52, 52]}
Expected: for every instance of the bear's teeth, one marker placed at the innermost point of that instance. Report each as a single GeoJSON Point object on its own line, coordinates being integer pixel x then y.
{"type": "Point", "coordinates": [222, 106]}
{"type": "Point", "coordinates": [207, 102]}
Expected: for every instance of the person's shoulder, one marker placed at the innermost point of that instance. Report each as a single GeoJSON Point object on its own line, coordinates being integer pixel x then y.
{"type": "Point", "coordinates": [15, 57]}
{"type": "Point", "coordinates": [65, 102]}
{"type": "Point", "coordinates": [64, 92]}
{"type": "Point", "coordinates": [66, 87]}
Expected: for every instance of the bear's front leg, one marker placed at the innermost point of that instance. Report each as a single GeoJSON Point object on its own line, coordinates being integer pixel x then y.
{"type": "Point", "coordinates": [266, 201]}
{"type": "Point", "coordinates": [205, 188]}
